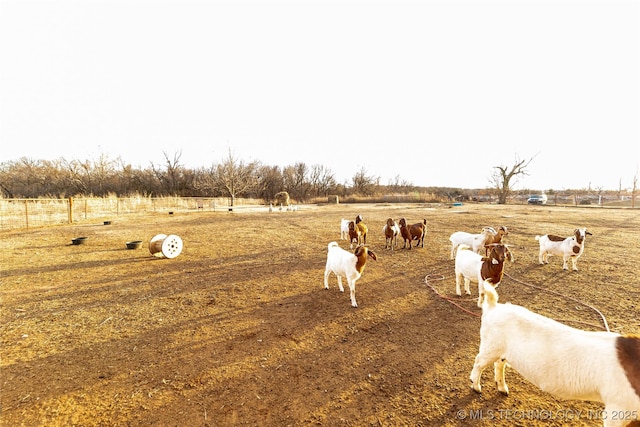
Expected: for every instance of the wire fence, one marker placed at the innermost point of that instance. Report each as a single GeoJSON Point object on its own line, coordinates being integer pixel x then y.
{"type": "Point", "coordinates": [26, 213]}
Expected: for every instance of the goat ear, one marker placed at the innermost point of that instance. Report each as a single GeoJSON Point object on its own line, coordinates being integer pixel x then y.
{"type": "Point", "coordinates": [372, 255]}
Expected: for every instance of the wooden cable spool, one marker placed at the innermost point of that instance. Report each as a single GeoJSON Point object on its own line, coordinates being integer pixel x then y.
{"type": "Point", "coordinates": [168, 246]}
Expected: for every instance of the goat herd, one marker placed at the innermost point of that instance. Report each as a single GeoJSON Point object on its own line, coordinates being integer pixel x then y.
{"type": "Point", "coordinates": [566, 362]}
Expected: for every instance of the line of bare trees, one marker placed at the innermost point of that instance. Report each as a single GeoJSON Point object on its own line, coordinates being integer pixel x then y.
{"type": "Point", "coordinates": [233, 177]}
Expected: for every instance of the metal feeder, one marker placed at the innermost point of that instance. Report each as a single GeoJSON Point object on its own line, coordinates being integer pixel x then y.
{"type": "Point", "coordinates": [168, 246]}
{"type": "Point", "coordinates": [134, 244]}
{"type": "Point", "coordinates": [79, 240]}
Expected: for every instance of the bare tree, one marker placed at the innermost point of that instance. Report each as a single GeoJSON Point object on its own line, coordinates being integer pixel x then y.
{"type": "Point", "coordinates": [234, 178]}
{"type": "Point", "coordinates": [75, 177]}
{"type": "Point", "coordinates": [104, 170]}
{"type": "Point", "coordinates": [398, 184]}
{"type": "Point", "coordinates": [322, 180]}
{"type": "Point", "coordinates": [95, 175]}
{"type": "Point", "coordinates": [503, 176]}
{"type": "Point", "coordinates": [295, 181]}
{"type": "Point", "coordinates": [131, 181]}
{"type": "Point", "coordinates": [173, 178]}
{"type": "Point", "coordinates": [270, 182]}
{"type": "Point", "coordinates": [363, 184]}
{"type": "Point", "coordinates": [21, 178]}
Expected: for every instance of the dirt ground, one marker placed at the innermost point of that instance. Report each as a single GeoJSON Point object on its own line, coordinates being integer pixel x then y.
{"type": "Point", "coordinates": [239, 330]}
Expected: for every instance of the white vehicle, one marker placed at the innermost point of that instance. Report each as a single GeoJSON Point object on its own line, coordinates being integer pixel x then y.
{"type": "Point", "coordinates": [537, 199]}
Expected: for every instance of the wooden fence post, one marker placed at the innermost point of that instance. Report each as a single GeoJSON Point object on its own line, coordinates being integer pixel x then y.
{"type": "Point", "coordinates": [70, 210]}
{"type": "Point", "coordinates": [26, 212]}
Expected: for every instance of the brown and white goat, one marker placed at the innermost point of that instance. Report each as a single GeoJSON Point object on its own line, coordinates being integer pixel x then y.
{"type": "Point", "coordinates": [473, 267]}
{"type": "Point", "coordinates": [475, 241]}
{"type": "Point", "coordinates": [495, 238]}
{"type": "Point", "coordinates": [361, 229]}
{"type": "Point", "coordinates": [412, 232]}
{"type": "Point", "coordinates": [567, 362]}
{"type": "Point", "coordinates": [391, 231]}
{"type": "Point", "coordinates": [569, 247]}
{"type": "Point", "coordinates": [345, 264]}
{"type": "Point", "coordinates": [353, 234]}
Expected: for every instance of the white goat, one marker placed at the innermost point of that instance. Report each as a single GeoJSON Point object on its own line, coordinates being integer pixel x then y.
{"type": "Point", "coordinates": [569, 247]}
{"type": "Point", "coordinates": [473, 267]}
{"type": "Point", "coordinates": [344, 229]}
{"type": "Point", "coordinates": [475, 241]}
{"type": "Point", "coordinates": [345, 264]}
{"type": "Point", "coordinates": [566, 362]}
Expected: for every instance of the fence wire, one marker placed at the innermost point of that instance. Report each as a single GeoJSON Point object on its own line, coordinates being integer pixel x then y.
{"type": "Point", "coordinates": [26, 213]}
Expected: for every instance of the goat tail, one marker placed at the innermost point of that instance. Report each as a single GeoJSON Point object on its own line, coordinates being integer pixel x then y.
{"type": "Point", "coordinates": [332, 244]}
{"type": "Point", "coordinates": [490, 296]}
{"type": "Point", "coordinates": [538, 237]}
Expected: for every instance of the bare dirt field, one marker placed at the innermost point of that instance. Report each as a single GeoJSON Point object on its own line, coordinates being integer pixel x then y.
{"type": "Point", "coordinates": [239, 330]}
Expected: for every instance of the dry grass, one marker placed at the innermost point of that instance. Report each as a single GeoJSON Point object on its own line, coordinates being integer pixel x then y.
{"type": "Point", "coordinates": [238, 330]}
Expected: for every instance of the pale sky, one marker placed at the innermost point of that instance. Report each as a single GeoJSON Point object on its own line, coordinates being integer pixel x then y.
{"type": "Point", "coordinates": [435, 92]}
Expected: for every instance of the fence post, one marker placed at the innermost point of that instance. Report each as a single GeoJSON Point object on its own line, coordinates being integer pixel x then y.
{"type": "Point", "coordinates": [26, 212]}
{"type": "Point", "coordinates": [70, 210]}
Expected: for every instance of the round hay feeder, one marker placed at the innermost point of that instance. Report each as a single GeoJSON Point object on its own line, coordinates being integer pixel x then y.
{"type": "Point", "coordinates": [168, 246]}
{"type": "Point", "coordinates": [282, 198]}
